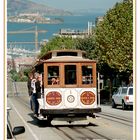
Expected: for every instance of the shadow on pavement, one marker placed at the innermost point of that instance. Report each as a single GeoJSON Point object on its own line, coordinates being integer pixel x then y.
{"type": "Point", "coordinates": [45, 123]}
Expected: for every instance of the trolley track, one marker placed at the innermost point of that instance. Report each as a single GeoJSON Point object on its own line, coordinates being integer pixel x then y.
{"type": "Point", "coordinates": [107, 116]}
{"type": "Point", "coordinates": [115, 119]}
{"type": "Point", "coordinates": [88, 132]}
{"type": "Point", "coordinates": [80, 132]}
{"type": "Point", "coordinates": [74, 132]}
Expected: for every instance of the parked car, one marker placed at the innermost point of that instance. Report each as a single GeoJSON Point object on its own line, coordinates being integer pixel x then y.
{"type": "Point", "coordinates": [123, 97]}
{"type": "Point", "coordinates": [11, 132]}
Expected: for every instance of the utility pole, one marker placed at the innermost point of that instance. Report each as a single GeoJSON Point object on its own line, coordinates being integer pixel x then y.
{"type": "Point", "coordinates": [12, 57]}
{"type": "Point", "coordinates": [98, 89]}
{"type": "Point", "coordinates": [36, 38]}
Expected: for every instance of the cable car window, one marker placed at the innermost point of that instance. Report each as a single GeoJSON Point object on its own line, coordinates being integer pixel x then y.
{"type": "Point", "coordinates": [87, 76]}
{"type": "Point", "coordinates": [66, 53]}
{"type": "Point", "coordinates": [53, 75]}
{"type": "Point", "coordinates": [70, 74]}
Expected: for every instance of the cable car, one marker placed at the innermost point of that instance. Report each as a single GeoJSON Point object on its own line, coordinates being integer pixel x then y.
{"type": "Point", "coordinates": [69, 81]}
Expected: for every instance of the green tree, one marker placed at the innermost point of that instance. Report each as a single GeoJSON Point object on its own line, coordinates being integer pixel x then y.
{"type": "Point", "coordinates": [26, 71]}
{"type": "Point", "coordinates": [14, 75]}
{"type": "Point", "coordinates": [114, 40]}
{"type": "Point", "coordinates": [58, 43]}
{"type": "Point", "coordinates": [19, 76]}
{"type": "Point", "coordinates": [114, 37]}
{"type": "Point", "coordinates": [87, 44]}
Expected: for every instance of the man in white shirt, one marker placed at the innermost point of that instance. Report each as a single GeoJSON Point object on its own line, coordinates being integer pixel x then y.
{"type": "Point", "coordinates": [34, 94]}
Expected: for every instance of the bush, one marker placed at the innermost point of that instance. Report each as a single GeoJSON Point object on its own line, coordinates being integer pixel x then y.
{"type": "Point", "coordinates": [104, 94]}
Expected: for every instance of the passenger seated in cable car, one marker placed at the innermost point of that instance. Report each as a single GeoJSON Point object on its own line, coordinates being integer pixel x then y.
{"type": "Point", "coordinates": [55, 81]}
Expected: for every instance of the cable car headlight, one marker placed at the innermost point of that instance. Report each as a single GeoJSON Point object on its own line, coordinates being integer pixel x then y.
{"type": "Point", "coordinates": [70, 98]}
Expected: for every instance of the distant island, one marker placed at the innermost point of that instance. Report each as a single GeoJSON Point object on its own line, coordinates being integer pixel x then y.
{"type": "Point", "coordinates": [34, 18]}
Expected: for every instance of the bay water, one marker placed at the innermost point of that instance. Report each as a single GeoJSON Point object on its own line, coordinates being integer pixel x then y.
{"type": "Point", "coordinates": [70, 22]}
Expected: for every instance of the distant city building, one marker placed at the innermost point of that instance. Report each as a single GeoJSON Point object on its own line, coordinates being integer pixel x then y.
{"type": "Point", "coordinates": [44, 42]}
{"type": "Point", "coordinates": [22, 63]}
{"type": "Point", "coordinates": [10, 64]}
{"type": "Point", "coordinates": [19, 63]}
{"type": "Point", "coordinates": [29, 14]}
{"type": "Point", "coordinates": [76, 33]}
{"type": "Point", "coordinates": [33, 18]}
{"type": "Point", "coordinates": [98, 20]}
{"type": "Point", "coordinates": [72, 33]}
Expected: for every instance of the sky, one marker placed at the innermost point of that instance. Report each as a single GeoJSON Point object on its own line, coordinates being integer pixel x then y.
{"type": "Point", "coordinates": [72, 5]}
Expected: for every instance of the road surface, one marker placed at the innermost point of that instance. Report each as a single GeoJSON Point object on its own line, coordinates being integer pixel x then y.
{"type": "Point", "coordinates": [110, 124]}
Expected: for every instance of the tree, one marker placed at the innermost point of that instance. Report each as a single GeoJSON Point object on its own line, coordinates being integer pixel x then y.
{"type": "Point", "coordinates": [114, 40]}
{"type": "Point", "coordinates": [58, 43]}
{"type": "Point", "coordinates": [19, 76]}
{"type": "Point", "coordinates": [114, 37]}
{"type": "Point", "coordinates": [87, 44]}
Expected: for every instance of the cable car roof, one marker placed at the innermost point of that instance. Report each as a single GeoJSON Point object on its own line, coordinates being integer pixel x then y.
{"type": "Point", "coordinates": [63, 56]}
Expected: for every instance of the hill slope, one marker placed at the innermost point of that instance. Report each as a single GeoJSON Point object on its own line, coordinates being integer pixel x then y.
{"type": "Point", "coordinates": [15, 7]}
